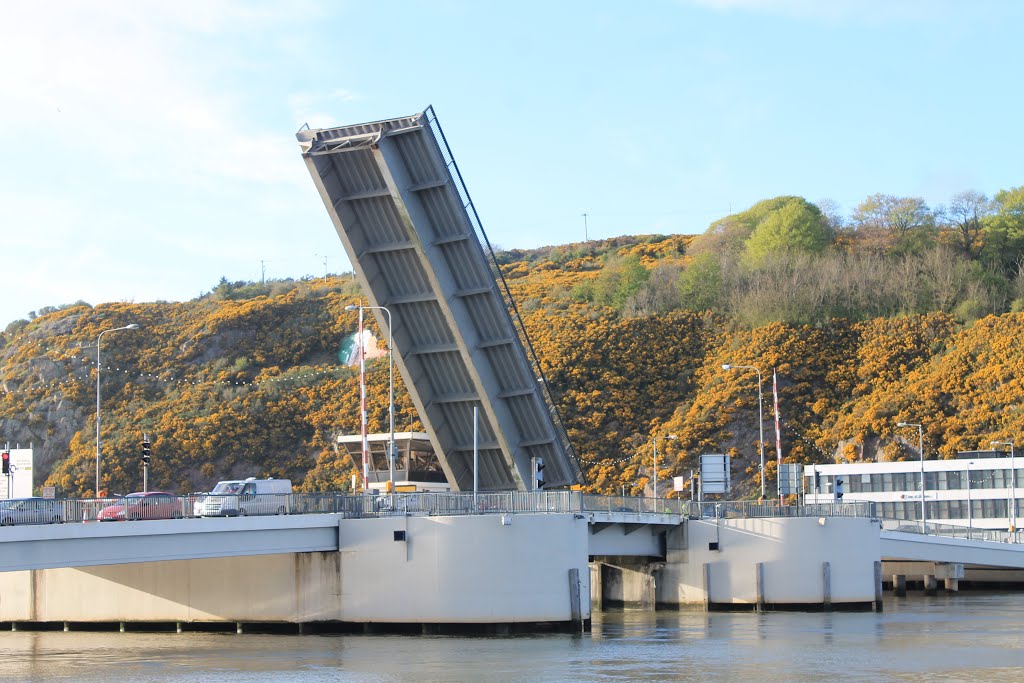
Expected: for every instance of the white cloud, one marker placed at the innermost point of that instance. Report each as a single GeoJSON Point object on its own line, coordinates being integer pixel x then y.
{"type": "Point", "coordinates": [308, 107]}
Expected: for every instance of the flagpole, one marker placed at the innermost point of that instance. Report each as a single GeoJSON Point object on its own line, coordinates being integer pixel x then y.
{"type": "Point", "coordinates": [778, 434]}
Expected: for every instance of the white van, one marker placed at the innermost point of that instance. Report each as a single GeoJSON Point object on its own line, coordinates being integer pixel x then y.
{"type": "Point", "coordinates": [246, 497]}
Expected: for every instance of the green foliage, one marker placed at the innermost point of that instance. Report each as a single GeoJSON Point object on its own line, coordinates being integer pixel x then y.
{"type": "Point", "coordinates": [795, 226]}
{"type": "Point", "coordinates": [701, 284]}
{"type": "Point", "coordinates": [620, 279]}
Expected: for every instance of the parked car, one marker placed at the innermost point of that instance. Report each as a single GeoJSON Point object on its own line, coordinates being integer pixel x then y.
{"type": "Point", "coordinates": [148, 505]}
{"type": "Point", "coordinates": [31, 511]}
{"type": "Point", "coordinates": [246, 497]}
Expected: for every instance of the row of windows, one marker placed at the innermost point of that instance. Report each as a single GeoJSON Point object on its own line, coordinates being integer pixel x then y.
{"type": "Point", "coordinates": [911, 481]}
{"type": "Point", "coordinates": [947, 509]}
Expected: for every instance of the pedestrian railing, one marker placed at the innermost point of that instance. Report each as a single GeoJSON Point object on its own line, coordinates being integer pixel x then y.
{"type": "Point", "coordinates": [909, 526]}
{"type": "Point", "coordinates": [40, 511]}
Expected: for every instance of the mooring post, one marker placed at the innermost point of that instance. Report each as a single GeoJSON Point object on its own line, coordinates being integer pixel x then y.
{"type": "Point", "coordinates": [575, 610]}
{"type": "Point", "coordinates": [826, 580]}
{"type": "Point", "coordinates": [707, 586]}
{"type": "Point", "coordinates": [759, 579]}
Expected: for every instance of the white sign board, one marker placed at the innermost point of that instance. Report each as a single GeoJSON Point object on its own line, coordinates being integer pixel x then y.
{"type": "Point", "coordinates": [714, 473]}
{"type": "Point", "coordinates": [19, 483]}
{"type": "Point", "coordinates": [677, 483]}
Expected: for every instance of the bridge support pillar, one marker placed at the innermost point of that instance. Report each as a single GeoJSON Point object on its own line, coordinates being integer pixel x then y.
{"type": "Point", "coordinates": [952, 585]}
{"type": "Point", "coordinates": [899, 584]}
{"type": "Point", "coordinates": [929, 584]}
{"type": "Point", "coordinates": [878, 585]}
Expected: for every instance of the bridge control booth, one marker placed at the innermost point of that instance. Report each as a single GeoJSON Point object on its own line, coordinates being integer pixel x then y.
{"type": "Point", "coordinates": [417, 467]}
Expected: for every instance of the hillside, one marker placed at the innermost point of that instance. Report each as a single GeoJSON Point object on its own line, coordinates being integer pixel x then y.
{"type": "Point", "coordinates": [632, 334]}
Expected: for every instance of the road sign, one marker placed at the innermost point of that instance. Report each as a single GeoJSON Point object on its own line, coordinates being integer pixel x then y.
{"type": "Point", "coordinates": [789, 478]}
{"type": "Point", "coordinates": [49, 492]}
{"type": "Point", "coordinates": [714, 473]}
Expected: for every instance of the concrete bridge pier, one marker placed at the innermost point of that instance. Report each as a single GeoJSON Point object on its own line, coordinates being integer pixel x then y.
{"type": "Point", "coordinates": [899, 585]}
{"type": "Point", "coordinates": [930, 584]}
{"type": "Point", "coordinates": [952, 585]}
{"type": "Point", "coordinates": [624, 582]}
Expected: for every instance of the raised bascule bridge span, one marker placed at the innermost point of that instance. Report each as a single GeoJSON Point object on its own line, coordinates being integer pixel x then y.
{"type": "Point", "coordinates": [397, 199]}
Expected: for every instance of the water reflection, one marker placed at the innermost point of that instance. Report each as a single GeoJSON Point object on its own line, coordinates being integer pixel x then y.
{"type": "Point", "coordinates": [970, 636]}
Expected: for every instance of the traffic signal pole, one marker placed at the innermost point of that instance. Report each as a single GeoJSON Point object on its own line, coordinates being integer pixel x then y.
{"type": "Point", "coordinates": [146, 451]}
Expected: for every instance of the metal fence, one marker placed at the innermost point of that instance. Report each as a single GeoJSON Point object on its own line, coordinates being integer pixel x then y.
{"type": "Point", "coordinates": [41, 511]}
{"type": "Point", "coordinates": [952, 531]}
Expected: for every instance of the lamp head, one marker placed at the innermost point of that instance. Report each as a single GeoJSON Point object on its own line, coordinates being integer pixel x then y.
{"type": "Point", "coordinates": [902, 424]}
{"type": "Point", "coordinates": [132, 326]}
{"type": "Point", "coordinates": [352, 307]}
{"type": "Point", "coordinates": [727, 367]}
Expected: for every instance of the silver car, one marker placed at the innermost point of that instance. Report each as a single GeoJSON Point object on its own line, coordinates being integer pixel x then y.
{"type": "Point", "coordinates": [30, 511]}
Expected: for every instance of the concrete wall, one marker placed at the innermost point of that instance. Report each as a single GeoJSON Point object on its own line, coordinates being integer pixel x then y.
{"type": "Point", "coordinates": [448, 570]}
{"type": "Point", "coordinates": [463, 569]}
{"type": "Point", "coordinates": [793, 552]}
{"type": "Point", "coordinates": [623, 582]}
{"type": "Point", "coordinates": [289, 588]}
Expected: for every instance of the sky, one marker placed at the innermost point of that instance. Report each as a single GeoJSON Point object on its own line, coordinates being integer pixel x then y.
{"type": "Point", "coordinates": [147, 148]}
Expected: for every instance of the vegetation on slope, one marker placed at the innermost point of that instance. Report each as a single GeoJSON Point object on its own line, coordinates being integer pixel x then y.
{"type": "Point", "coordinates": [895, 313]}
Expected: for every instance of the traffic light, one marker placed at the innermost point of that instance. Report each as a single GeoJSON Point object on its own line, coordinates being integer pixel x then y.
{"type": "Point", "coordinates": [146, 451]}
{"type": "Point", "coordinates": [817, 481]}
{"type": "Point", "coordinates": [839, 489]}
{"type": "Point", "coordinates": [7, 462]}
{"type": "Point", "coordinates": [538, 477]}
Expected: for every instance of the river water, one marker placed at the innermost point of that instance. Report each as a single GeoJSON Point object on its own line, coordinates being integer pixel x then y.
{"type": "Point", "coordinates": [968, 637]}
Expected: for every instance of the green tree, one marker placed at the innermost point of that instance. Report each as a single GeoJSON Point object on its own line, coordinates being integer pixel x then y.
{"type": "Point", "coordinates": [701, 284]}
{"type": "Point", "coordinates": [797, 226]}
{"type": "Point", "coordinates": [885, 222]}
{"type": "Point", "coordinates": [1004, 229]}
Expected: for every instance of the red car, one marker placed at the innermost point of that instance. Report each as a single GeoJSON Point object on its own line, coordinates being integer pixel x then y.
{"type": "Point", "coordinates": [149, 505]}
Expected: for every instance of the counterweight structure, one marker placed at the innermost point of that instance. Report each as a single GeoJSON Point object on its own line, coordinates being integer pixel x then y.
{"type": "Point", "coordinates": [397, 200]}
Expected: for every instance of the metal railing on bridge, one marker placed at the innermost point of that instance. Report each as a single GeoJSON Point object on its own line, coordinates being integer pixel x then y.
{"type": "Point", "coordinates": [952, 531]}
{"type": "Point", "coordinates": [164, 506]}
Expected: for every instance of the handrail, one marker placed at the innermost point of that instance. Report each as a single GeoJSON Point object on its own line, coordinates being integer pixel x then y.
{"type": "Point", "coordinates": [44, 511]}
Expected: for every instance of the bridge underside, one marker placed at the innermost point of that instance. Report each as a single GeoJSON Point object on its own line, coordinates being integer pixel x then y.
{"type": "Point", "coordinates": [402, 217]}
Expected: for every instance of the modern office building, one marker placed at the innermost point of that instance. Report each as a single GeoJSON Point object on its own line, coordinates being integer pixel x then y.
{"type": "Point", "coordinates": [972, 490]}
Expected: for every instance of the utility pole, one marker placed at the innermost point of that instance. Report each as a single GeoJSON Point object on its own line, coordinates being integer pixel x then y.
{"type": "Point", "coordinates": [263, 273]}
{"type": "Point", "coordinates": [325, 266]}
{"type": "Point", "coordinates": [586, 237]}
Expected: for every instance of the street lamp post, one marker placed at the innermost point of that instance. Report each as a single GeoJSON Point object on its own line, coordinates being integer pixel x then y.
{"type": "Point", "coordinates": [99, 337]}
{"type": "Point", "coordinates": [669, 437]}
{"type": "Point", "coordinates": [920, 448]}
{"type": "Point", "coordinates": [391, 388]}
{"type": "Point", "coordinates": [1013, 485]}
{"type": "Point", "coordinates": [760, 415]}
